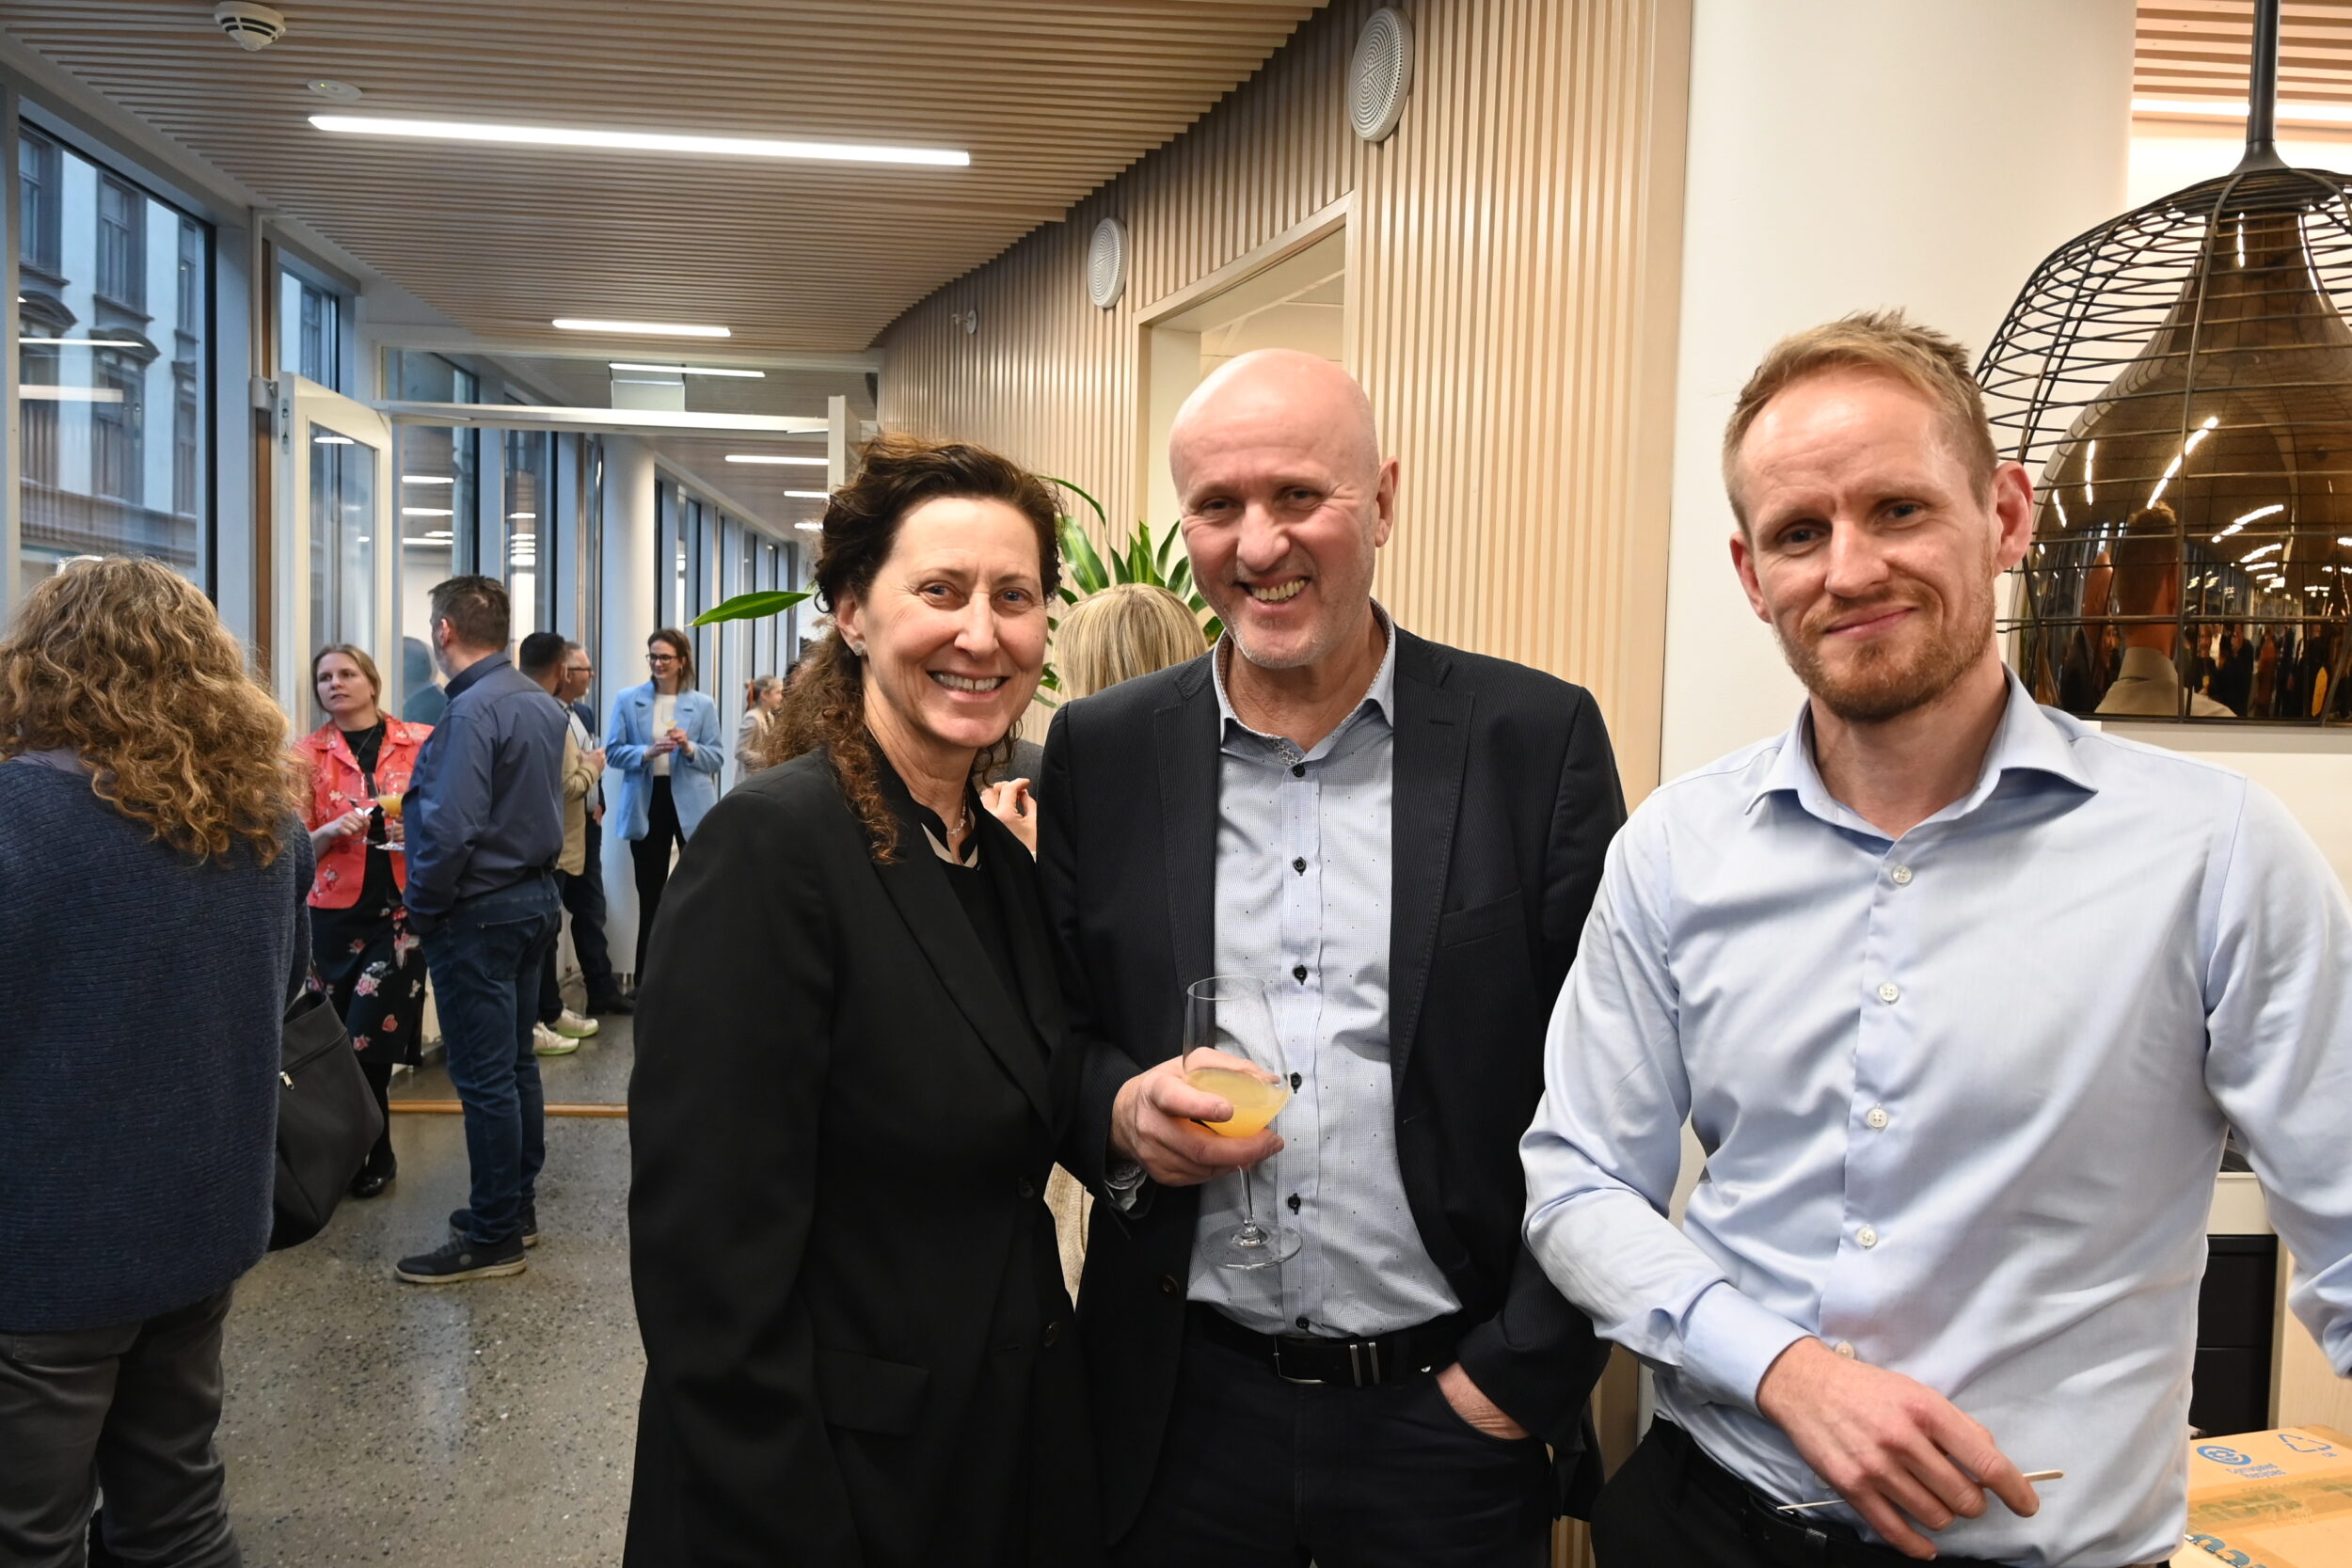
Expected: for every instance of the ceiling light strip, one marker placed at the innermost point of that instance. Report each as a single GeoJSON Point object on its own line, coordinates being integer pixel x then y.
{"type": "Point", "coordinates": [638, 142]}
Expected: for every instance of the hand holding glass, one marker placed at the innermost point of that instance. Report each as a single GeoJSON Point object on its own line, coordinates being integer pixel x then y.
{"type": "Point", "coordinates": [1231, 1051]}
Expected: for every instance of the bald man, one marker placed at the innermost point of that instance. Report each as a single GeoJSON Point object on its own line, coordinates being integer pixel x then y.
{"type": "Point", "coordinates": [1400, 840]}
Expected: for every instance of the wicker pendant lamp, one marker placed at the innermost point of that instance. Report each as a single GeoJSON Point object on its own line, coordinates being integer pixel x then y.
{"type": "Point", "coordinates": [2180, 380]}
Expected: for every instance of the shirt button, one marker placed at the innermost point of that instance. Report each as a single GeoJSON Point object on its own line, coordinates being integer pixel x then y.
{"type": "Point", "coordinates": [1844, 1347]}
{"type": "Point", "coordinates": [1294, 1203]}
{"type": "Point", "coordinates": [1027, 1191]}
{"type": "Point", "coordinates": [1890, 992]}
{"type": "Point", "coordinates": [1298, 971]}
{"type": "Point", "coordinates": [1877, 1119]}
{"type": "Point", "coordinates": [1052, 1332]}
{"type": "Point", "coordinates": [1902, 875]}
{"type": "Point", "coordinates": [1300, 1319]}
{"type": "Point", "coordinates": [1296, 1081]}
{"type": "Point", "coordinates": [1168, 1286]}
{"type": "Point", "coordinates": [1866, 1237]}
{"type": "Point", "coordinates": [1299, 864]}
{"type": "Point", "coordinates": [1298, 770]}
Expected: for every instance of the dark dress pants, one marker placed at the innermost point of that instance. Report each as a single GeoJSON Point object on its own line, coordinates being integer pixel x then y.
{"type": "Point", "coordinates": [132, 1409]}
{"type": "Point", "coordinates": [651, 855]}
{"type": "Point", "coordinates": [485, 960]}
{"type": "Point", "coordinates": [1255, 1472]}
{"type": "Point", "coordinates": [583, 900]}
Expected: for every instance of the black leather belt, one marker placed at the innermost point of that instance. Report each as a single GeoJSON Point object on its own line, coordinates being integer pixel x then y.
{"type": "Point", "coordinates": [1349, 1362]}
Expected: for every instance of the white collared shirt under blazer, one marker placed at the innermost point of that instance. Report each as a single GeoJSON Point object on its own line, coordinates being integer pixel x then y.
{"type": "Point", "coordinates": [1963, 1095]}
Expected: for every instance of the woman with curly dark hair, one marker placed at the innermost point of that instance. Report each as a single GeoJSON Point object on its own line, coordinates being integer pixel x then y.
{"type": "Point", "coordinates": [850, 1075]}
{"type": "Point", "coordinates": [153, 871]}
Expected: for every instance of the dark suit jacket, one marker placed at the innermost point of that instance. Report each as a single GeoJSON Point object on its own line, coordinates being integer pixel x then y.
{"type": "Point", "coordinates": [858, 1348]}
{"type": "Point", "coordinates": [1505, 800]}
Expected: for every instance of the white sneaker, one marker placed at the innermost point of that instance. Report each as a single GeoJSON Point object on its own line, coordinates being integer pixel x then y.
{"type": "Point", "coordinates": [570, 1024]}
{"type": "Point", "coordinates": [546, 1042]}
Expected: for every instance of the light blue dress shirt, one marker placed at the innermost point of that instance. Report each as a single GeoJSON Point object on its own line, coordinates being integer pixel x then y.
{"type": "Point", "coordinates": [1963, 1096]}
{"type": "Point", "coordinates": [1303, 891]}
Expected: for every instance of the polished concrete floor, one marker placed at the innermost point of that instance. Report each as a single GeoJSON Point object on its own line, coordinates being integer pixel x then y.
{"type": "Point", "coordinates": [450, 1426]}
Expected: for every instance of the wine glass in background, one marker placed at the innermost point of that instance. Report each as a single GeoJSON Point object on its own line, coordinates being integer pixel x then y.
{"type": "Point", "coordinates": [1231, 1051]}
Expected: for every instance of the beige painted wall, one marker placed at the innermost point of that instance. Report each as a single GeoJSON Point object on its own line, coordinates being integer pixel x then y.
{"type": "Point", "coordinates": [1513, 288]}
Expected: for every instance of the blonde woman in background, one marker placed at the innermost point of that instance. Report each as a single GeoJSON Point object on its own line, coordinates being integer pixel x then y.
{"type": "Point", "coordinates": [762, 696]}
{"type": "Point", "coordinates": [1126, 630]}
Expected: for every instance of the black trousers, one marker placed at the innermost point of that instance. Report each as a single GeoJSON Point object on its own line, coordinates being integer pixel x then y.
{"type": "Point", "coordinates": [378, 1073]}
{"type": "Point", "coordinates": [132, 1409]}
{"type": "Point", "coordinates": [583, 900]}
{"type": "Point", "coordinates": [1259, 1473]}
{"type": "Point", "coordinates": [652, 856]}
{"type": "Point", "coordinates": [1670, 1505]}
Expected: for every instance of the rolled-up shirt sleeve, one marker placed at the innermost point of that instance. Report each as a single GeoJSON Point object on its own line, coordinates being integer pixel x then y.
{"type": "Point", "coordinates": [1606, 1146]}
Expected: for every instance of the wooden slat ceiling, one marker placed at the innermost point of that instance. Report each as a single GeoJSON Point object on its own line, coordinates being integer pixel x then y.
{"type": "Point", "coordinates": [2192, 49]}
{"type": "Point", "coordinates": [1050, 98]}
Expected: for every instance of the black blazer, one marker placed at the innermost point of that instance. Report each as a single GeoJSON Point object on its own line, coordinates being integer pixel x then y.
{"type": "Point", "coordinates": [1505, 800]}
{"type": "Point", "coordinates": [858, 1349]}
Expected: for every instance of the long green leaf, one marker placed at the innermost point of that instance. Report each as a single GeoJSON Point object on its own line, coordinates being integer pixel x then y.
{"type": "Point", "coordinates": [751, 607]}
{"type": "Point", "coordinates": [1101, 519]}
{"type": "Point", "coordinates": [1139, 565]}
{"type": "Point", "coordinates": [1087, 571]}
{"type": "Point", "coordinates": [1171, 556]}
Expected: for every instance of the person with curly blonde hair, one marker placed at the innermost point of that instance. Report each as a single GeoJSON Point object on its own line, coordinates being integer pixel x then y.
{"type": "Point", "coordinates": [152, 877]}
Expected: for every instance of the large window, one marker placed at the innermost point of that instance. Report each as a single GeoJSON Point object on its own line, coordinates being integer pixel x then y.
{"type": "Point", "coordinates": [114, 318]}
{"type": "Point", "coordinates": [436, 470]}
{"type": "Point", "coordinates": [531, 532]}
{"type": "Point", "coordinates": [311, 331]}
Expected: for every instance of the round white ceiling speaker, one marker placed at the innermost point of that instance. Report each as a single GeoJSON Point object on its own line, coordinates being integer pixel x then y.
{"type": "Point", "coordinates": [1380, 76]}
{"type": "Point", "coordinates": [1106, 263]}
{"type": "Point", "coordinates": [253, 27]}
{"type": "Point", "coordinates": [341, 92]}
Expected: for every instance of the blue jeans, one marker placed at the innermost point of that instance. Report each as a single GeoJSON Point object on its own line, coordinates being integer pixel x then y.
{"type": "Point", "coordinates": [485, 961]}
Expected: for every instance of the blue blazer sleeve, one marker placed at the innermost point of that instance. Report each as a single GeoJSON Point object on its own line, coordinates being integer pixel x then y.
{"type": "Point", "coordinates": [702, 728]}
{"type": "Point", "coordinates": [625, 749]}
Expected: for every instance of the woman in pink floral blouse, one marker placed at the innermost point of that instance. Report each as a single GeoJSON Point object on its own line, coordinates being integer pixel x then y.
{"type": "Point", "coordinates": [361, 949]}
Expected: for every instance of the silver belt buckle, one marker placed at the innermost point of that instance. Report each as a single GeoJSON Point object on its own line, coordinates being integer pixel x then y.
{"type": "Point", "coordinates": [1307, 1382]}
{"type": "Point", "coordinates": [1358, 1353]}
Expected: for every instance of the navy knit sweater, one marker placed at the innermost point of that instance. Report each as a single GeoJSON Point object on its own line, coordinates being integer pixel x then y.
{"type": "Point", "coordinates": [141, 994]}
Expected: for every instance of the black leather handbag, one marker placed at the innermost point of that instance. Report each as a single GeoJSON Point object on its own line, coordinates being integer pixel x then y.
{"type": "Point", "coordinates": [326, 1119]}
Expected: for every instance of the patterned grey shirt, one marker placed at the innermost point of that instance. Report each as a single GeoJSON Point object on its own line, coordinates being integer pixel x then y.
{"type": "Point", "coordinates": [1303, 891]}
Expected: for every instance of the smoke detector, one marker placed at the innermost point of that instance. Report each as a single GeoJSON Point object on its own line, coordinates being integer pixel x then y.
{"type": "Point", "coordinates": [253, 27]}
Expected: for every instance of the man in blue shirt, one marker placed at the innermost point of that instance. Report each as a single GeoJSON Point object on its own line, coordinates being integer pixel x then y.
{"type": "Point", "coordinates": [1958, 995]}
{"type": "Point", "coordinates": [485, 826]}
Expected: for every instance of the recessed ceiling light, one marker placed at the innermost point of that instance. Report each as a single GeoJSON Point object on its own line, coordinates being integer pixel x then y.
{"type": "Point", "coordinates": [638, 142]}
{"type": "Point", "coordinates": [341, 92]}
{"type": "Point", "coordinates": [522, 517]}
{"type": "Point", "coordinates": [809, 495]}
{"type": "Point", "coordinates": [641, 329]}
{"type": "Point", "coordinates": [427, 479]}
{"type": "Point", "coordinates": [80, 343]}
{"type": "Point", "coordinates": [426, 512]}
{"type": "Point", "coordinates": [781, 462]}
{"type": "Point", "coordinates": [690, 369]}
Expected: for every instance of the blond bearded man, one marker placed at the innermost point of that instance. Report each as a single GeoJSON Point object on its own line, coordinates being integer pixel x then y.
{"type": "Point", "coordinates": [1958, 995]}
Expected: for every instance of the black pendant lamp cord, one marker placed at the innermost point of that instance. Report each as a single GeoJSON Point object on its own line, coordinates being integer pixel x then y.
{"type": "Point", "coordinates": [2262, 92]}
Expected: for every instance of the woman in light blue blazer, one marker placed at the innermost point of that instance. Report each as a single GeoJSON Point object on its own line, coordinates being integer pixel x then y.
{"type": "Point", "coordinates": [663, 742]}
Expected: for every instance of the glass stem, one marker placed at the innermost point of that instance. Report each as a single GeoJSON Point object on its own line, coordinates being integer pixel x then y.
{"type": "Point", "coordinates": [1248, 1208]}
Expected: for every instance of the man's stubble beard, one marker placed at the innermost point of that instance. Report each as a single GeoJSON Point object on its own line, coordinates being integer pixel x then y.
{"type": "Point", "coordinates": [1880, 685]}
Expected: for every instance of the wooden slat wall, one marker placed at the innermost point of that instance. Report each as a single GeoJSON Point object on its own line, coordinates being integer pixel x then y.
{"type": "Point", "coordinates": [1516, 264]}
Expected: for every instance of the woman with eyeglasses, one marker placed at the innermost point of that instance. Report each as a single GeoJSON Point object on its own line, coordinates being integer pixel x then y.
{"type": "Point", "coordinates": [663, 742]}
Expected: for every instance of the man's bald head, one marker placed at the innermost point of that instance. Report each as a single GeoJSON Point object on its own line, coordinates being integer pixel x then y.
{"type": "Point", "coordinates": [1286, 503]}
{"type": "Point", "coordinates": [1279, 390]}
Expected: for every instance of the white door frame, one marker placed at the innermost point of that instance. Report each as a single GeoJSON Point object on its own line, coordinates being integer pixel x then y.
{"type": "Point", "coordinates": [301, 405]}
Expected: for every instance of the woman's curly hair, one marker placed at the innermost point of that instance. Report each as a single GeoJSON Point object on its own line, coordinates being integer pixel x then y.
{"type": "Point", "coordinates": [126, 663]}
{"type": "Point", "coordinates": [825, 705]}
